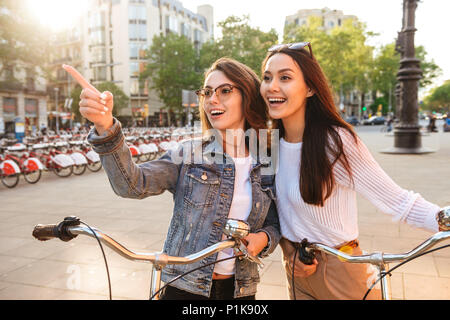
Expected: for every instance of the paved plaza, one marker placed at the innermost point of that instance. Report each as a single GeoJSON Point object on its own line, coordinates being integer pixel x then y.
{"type": "Point", "coordinates": [52, 270]}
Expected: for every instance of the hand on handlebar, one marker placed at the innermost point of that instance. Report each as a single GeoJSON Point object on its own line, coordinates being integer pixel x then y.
{"type": "Point", "coordinates": [94, 106]}
{"type": "Point", "coordinates": [302, 270]}
{"type": "Point", "coordinates": [256, 242]}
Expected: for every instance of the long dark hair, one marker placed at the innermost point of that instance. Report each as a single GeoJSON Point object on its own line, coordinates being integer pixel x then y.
{"type": "Point", "coordinates": [322, 145]}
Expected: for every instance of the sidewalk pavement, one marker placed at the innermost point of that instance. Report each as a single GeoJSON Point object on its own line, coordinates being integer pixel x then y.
{"type": "Point", "coordinates": [57, 270]}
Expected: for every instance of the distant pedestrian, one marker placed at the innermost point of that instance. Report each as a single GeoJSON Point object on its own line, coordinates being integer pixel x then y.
{"type": "Point", "coordinates": [323, 164]}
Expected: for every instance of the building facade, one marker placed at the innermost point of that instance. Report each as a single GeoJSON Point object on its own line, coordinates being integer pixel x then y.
{"type": "Point", "coordinates": [113, 38]}
{"type": "Point", "coordinates": [330, 18]}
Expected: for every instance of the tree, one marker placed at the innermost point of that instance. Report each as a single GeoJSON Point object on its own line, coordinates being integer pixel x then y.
{"type": "Point", "coordinates": [342, 52]}
{"type": "Point", "coordinates": [385, 68]}
{"type": "Point", "coordinates": [239, 41]}
{"type": "Point", "coordinates": [439, 99]}
{"type": "Point", "coordinates": [22, 44]}
{"type": "Point", "coordinates": [430, 70]}
{"type": "Point", "coordinates": [172, 66]}
{"type": "Point", "coordinates": [120, 98]}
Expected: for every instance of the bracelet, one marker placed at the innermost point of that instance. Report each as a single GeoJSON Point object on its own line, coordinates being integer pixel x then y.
{"type": "Point", "coordinates": [443, 219]}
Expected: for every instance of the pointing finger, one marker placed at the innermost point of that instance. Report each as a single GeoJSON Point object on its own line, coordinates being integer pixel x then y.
{"type": "Point", "coordinates": [79, 78]}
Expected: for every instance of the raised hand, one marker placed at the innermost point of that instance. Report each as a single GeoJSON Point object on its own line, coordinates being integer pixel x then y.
{"type": "Point", "coordinates": [95, 106]}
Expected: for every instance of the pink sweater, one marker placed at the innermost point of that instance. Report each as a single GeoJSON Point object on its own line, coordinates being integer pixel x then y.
{"type": "Point", "coordinates": [336, 222]}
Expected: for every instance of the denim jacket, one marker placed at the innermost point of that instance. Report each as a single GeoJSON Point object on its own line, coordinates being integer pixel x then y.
{"type": "Point", "coordinates": [202, 198]}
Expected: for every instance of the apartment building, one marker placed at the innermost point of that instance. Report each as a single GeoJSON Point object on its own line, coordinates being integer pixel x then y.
{"type": "Point", "coordinates": [23, 101]}
{"type": "Point", "coordinates": [112, 38]}
{"type": "Point", "coordinates": [330, 18]}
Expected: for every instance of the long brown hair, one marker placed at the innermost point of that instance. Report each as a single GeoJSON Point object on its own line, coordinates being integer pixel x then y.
{"type": "Point", "coordinates": [254, 106]}
{"type": "Point", "coordinates": [322, 146]}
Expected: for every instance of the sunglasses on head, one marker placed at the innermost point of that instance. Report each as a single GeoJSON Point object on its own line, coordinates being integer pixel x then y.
{"type": "Point", "coordinates": [292, 46]}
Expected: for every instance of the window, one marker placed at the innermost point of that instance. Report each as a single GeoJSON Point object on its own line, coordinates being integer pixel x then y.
{"type": "Point", "coordinates": [171, 24]}
{"type": "Point", "coordinates": [134, 69]}
{"type": "Point", "coordinates": [137, 32]}
{"type": "Point", "coordinates": [134, 86]}
{"type": "Point", "coordinates": [30, 80]}
{"type": "Point", "coordinates": [99, 55]}
{"type": "Point", "coordinates": [186, 30]}
{"type": "Point", "coordinates": [9, 109]}
{"type": "Point", "coordinates": [137, 51]}
{"type": "Point", "coordinates": [198, 35]}
{"type": "Point", "coordinates": [137, 13]}
{"type": "Point", "coordinates": [99, 73]}
{"type": "Point", "coordinates": [97, 37]}
{"type": "Point", "coordinates": [31, 108]}
{"type": "Point", "coordinates": [96, 20]}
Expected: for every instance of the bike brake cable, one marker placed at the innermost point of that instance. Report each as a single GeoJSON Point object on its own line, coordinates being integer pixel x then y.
{"type": "Point", "coordinates": [195, 269]}
{"type": "Point", "coordinates": [399, 265]}
{"type": "Point", "coordinates": [104, 258]}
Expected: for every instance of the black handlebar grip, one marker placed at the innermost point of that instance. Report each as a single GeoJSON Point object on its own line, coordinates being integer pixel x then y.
{"type": "Point", "coordinates": [44, 232]}
{"type": "Point", "coordinates": [305, 256]}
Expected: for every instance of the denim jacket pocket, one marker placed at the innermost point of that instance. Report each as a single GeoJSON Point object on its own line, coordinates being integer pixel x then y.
{"type": "Point", "coordinates": [201, 185]}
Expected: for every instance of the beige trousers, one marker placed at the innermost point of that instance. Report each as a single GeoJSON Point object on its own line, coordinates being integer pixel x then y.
{"type": "Point", "coordinates": [333, 279]}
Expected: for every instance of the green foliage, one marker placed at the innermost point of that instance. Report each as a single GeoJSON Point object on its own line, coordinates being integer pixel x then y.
{"type": "Point", "coordinates": [120, 98]}
{"type": "Point", "coordinates": [380, 100]}
{"type": "Point", "coordinates": [342, 52]}
{"type": "Point", "coordinates": [22, 43]}
{"type": "Point", "coordinates": [172, 66]}
{"type": "Point", "coordinates": [430, 70]}
{"type": "Point", "coordinates": [439, 99]}
{"type": "Point", "coordinates": [239, 41]}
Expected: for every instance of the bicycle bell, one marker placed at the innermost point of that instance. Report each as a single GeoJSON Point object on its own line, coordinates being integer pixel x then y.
{"type": "Point", "coordinates": [443, 218]}
{"type": "Point", "coordinates": [236, 228]}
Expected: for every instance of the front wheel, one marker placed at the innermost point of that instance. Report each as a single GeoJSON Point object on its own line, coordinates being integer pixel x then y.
{"type": "Point", "coordinates": [11, 180]}
{"type": "Point", "coordinates": [63, 172]}
{"type": "Point", "coordinates": [32, 176]}
{"type": "Point", "coordinates": [79, 169]}
{"type": "Point", "coordinates": [94, 166]}
{"type": "Point", "coordinates": [144, 157]}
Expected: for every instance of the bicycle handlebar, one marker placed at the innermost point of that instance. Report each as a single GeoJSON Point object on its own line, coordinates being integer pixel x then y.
{"type": "Point", "coordinates": [379, 258]}
{"type": "Point", "coordinates": [70, 228]}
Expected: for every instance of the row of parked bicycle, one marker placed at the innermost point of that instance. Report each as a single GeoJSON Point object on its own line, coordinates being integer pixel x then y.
{"type": "Point", "coordinates": [69, 154]}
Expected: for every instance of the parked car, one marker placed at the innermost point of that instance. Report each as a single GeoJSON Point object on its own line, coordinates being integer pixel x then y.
{"type": "Point", "coordinates": [353, 121]}
{"type": "Point", "coordinates": [374, 120]}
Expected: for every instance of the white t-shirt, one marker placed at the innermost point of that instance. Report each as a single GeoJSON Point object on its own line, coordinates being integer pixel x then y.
{"type": "Point", "coordinates": [241, 205]}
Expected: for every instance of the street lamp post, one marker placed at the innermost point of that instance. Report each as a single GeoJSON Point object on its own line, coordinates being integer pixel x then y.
{"type": "Point", "coordinates": [407, 136]}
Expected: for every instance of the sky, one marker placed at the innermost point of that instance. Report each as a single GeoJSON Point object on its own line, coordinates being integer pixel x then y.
{"type": "Point", "coordinates": [381, 16]}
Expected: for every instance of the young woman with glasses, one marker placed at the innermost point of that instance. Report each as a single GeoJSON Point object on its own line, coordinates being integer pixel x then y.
{"type": "Point", "coordinates": [212, 179]}
{"type": "Point", "coordinates": [323, 164]}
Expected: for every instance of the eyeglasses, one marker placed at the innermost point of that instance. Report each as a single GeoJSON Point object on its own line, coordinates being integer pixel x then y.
{"type": "Point", "coordinates": [222, 92]}
{"type": "Point", "coordinates": [293, 46]}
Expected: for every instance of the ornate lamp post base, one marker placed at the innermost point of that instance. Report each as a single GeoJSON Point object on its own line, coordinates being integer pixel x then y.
{"type": "Point", "coordinates": [407, 140]}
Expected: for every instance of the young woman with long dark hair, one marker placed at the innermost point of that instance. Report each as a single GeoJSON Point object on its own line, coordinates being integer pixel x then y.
{"type": "Point", "coordinates": [323, 164]}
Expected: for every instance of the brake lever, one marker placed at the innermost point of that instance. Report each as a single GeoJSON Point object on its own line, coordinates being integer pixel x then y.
{"type": "Point", "coordinates": [241, 248]}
